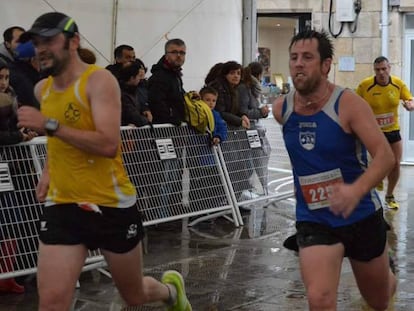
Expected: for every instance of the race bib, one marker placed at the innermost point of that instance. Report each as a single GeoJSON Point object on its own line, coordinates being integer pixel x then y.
{"type": "Point", "coordinates": [385, 120]}
{"type": "Point", "coordinates": [317, 188]}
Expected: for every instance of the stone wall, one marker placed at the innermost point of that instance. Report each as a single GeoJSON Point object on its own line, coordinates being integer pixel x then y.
{"type": "Point", "coordinates": [364, 44]}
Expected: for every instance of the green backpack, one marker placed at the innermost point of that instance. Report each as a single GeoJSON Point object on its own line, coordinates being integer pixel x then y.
{"type": "Point", "coordinates": [198, 114]}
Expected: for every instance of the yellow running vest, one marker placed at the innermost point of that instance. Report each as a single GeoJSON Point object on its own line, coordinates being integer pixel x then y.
{"type": "Point", "coordinates": [75, 175]}
{"type": "Point", "coordinates": [384, 100]}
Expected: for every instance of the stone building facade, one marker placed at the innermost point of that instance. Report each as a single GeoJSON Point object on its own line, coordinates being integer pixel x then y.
{"type": "Point", "coordinates": [363, 45]}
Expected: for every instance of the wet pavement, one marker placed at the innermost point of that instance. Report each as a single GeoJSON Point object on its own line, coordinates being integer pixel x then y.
{"type": "Point", "coordinates": [245, 268]}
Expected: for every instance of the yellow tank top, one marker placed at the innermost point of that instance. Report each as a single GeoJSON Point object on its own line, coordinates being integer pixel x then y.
{"type": "Point", "coordinates": [75, 175]}
{"type": "Point", "coordinates": [385, 100]}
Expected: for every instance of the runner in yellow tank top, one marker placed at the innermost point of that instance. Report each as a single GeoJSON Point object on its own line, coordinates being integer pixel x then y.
{"type": "Point", "coordinates": [90, 202]}
{"type": "Point", "coordinates": [75, 174]}
{"type": "Point", "coordinates": [384, 92]}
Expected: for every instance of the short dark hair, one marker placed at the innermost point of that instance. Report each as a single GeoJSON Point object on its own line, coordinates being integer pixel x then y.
{"type": "Point", "coordinates": [176, 41]}
{"type": "Point", "coordinates": [325, 46]}
{"type": "Point", "coordinates": [230, 66]}
{"type": "Point", "coordinates": [8, 33]}
{"type": "Point", "coordinates": [381, 59]}
{"type": "Point", "coordinates": [3, 64]}
{"type": "Point", "coordinates": [256, 69]}
{"type": "Point", "coordinates": [208, 90]}
{"type": "Point", "coordinates": [128, 71]}
{"type": "Point", "coordinates": [120, 48]}
{"type": "Point", "coordinates": [141, 64]}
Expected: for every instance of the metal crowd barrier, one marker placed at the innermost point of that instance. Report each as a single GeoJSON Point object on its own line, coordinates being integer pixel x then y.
{"type": "Point", "coordinates": [177, 174]}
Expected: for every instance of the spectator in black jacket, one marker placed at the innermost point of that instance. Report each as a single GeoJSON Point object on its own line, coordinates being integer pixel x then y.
{"type": "Point", "coordinates": [20, 73]}
{"type": "Point", "coordinates": [9, 132]}
{"type": "Point", "coordinates": [9, 221]}
{"type": "Point", "coordinates": [165, 86]}
{"type": "Point", "coordinates": [228, 105]}
{"type": "Point", "coordinates": [134, 113]}
{"type": "Point", "coordinates": [123, 54]}
{"type": "Point", "coordinates": [166, 101]}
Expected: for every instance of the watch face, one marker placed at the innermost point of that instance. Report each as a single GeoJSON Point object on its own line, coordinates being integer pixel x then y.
{"type": "Point", "coordinates": [51, 126]}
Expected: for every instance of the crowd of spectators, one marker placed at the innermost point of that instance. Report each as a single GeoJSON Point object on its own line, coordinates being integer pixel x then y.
{"type": "Point", "coordinates": [231, 91]}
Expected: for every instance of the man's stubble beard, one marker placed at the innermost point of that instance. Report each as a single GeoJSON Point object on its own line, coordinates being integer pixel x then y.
{"type": "Point", "coordinates": [58, 66]}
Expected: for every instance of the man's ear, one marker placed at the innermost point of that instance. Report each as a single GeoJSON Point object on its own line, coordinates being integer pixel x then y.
{"type": "Point", "coordinates": [75, 41]}
{"type": "Point", "coordinates": [326, 65]}
{"type": "Point", "coordinates": [7, 44]}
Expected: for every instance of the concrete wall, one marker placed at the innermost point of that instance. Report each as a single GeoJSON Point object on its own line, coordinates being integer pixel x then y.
{"type": "Point", "coordinates": [364, 44]}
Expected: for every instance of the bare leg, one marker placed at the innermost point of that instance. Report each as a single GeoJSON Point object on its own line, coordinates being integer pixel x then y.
{"type": "Point", "coordinates": [394, 175]}
{"type": "Point", "coordinates": [127, 273]}
{"type": "Point", "coordinates": [58, 270]}
{"type": "Point", "coordinates": [375, 280]}
{"type": "Point", "coordinates": [321, 268]}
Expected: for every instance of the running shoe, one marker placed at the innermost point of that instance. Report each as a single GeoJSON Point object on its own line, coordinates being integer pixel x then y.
{"type": "Point", "coordinates": [175, 278]}
{"type": "Point", "coordinates": [391, 203]}
{"type": "Point", "coordinates": [380, 186]}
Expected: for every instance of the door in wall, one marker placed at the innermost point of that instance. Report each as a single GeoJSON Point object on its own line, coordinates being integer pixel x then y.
{"type": "Point", "coordinates": [407, 118]}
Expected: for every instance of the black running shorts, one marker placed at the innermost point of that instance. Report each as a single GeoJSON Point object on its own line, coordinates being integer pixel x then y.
{"type": "Point", "coordinates": [363, 240]}
{"type": "Point", "coordinates": [393, 136]}
{"type": "Point", "coordinates": [117, 230]}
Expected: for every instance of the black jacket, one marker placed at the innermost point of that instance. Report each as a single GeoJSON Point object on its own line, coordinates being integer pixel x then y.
{"type": "Point", "coordinates": [166, 94]}
{"type": "Point", "coordinates": [9, 133]}
{"type": "Point", "coordinates": [131, 109]}
{"type": "Point", "coordinates": [227, 102]}
{"type": "Point", "coordinates": [114, 69]}
{"type": "Point", "coordinates": [22, 80]}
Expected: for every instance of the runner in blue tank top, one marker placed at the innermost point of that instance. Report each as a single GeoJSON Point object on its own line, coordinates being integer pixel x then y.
{"type": "Point", "coordinates": [328, 131]}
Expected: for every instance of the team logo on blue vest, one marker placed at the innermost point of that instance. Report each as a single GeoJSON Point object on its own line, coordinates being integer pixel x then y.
{"type": "Point", "coordinates": [307, 140]}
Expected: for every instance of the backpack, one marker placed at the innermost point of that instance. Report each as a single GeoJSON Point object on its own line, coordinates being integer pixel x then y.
{"type": "Point", "coordinates": [198, 114]}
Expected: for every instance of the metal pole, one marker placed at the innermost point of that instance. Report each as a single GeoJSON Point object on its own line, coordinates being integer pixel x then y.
{"type": "Point", "coordinates": [384, 28]}
{"type": "Point", "coordinates": [249, 31]}
{"type": "Point", "coordinates": [114, 27]}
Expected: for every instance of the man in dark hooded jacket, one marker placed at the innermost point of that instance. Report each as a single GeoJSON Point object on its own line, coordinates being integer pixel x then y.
{"type": "Point", "coordinates": [165, 86]}
{"type": "Point", "coordinates": [166, 102]}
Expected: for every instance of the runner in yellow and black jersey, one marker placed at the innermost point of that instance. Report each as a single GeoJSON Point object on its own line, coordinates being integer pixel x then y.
{"type": "Point", "coordinates": [384, 92]}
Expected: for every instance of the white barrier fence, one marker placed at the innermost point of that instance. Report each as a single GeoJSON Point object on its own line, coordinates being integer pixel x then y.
{"type": "Point", "coordinates": [176, 172]}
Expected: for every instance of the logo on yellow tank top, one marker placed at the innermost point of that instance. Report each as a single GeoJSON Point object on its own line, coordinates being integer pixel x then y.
{"type": "Point", "coordinates": [72, 115]}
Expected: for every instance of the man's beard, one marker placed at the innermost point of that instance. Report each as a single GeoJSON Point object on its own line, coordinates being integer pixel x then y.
{"type": "Point", "coordinates": [55, 69]}
{"type": "Point", "coordinates": [307, 87]}
{"type": "Point", "coordinates": [58, 65]}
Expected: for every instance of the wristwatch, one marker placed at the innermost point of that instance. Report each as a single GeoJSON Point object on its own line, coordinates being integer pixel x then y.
{"type": "Point", "coordinates": [51, 126]}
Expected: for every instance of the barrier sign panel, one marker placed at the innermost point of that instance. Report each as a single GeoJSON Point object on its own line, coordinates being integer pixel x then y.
{"type": "Point", "coordinates": [166, 149]}
{"type": "Point", "coordinates": [254, 139]}
{"type": "Point", "coordinates": [6, 183]}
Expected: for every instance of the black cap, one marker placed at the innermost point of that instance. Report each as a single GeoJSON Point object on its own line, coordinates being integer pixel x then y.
{"type": "Point", "coordinates": [49, 25]}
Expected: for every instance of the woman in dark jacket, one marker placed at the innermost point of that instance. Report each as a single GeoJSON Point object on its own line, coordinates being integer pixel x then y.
{"type": "Point", "coordinates": [228, 102]}
{"type": "Point", "coordinates": [249, 92]}
{"type": "Point", "coordinates": [9, 132]}
{"type": "Point", "coordinates": [236, 149]}
{"type": "Point", "coordinates": [10, 217]}
{"type": "Point", "coordinates": [133, 112]}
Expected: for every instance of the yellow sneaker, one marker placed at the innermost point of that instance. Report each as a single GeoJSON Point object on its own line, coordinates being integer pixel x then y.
{"type": "Point", "coordinates": [391, 203]}
{"type": "Point", "coordinates": [175, 278]}
{"type": "Point", "coordinates": [380, 186]}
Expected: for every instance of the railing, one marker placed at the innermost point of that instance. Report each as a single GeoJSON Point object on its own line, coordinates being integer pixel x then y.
{"type": "Point", "coordinates": [175, 170]}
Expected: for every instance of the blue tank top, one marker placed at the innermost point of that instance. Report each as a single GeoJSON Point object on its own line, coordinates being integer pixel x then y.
{"type": "Point", "coordinates": [323, 154]}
